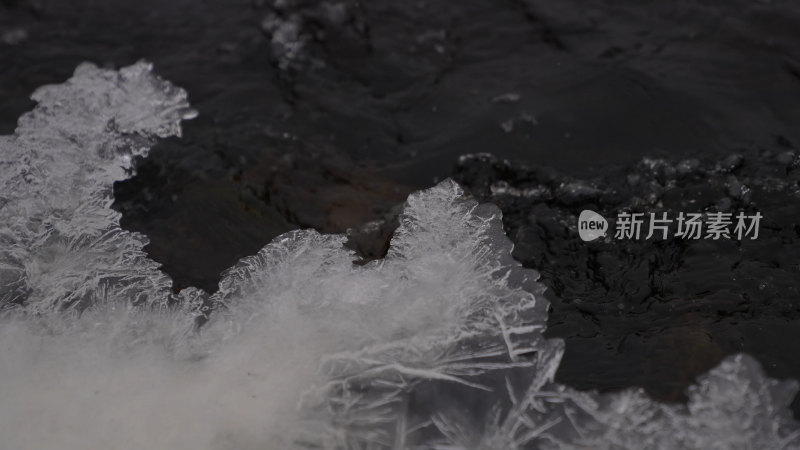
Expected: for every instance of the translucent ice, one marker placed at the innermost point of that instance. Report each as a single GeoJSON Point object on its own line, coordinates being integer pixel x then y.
{"type": "Point", "coordinates": [437, 346]}
{"type": "Point", "coordinates": [62, 245]}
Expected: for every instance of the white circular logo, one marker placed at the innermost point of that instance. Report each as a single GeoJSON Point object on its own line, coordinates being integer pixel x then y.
{"type": "Point", "coordinates": [591, 225]}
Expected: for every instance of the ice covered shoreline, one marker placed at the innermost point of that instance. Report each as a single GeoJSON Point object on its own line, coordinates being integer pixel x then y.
{"type": "Point", "coordinates": [438, 345]}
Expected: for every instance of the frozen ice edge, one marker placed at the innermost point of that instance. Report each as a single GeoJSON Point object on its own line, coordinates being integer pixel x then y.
{"type": "Point", "coordinates": [62, 244]}
{"type": "Point", "coordinates": [437, 346]}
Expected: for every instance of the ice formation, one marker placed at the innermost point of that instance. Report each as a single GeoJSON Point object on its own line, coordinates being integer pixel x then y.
{"type": "Point", "coordinates": [62, 246]}
{"type": "Point", "coordinates": [437, 346]}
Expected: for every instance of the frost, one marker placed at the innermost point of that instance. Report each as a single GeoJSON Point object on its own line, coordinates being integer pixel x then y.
{"type": "Point", "coordinates": [446, 309]}
{"type": "Point", "coordinates": [437, 346]}
{"type": "Point", "coordinates": [732, 407]}
{"type": "Point", "coordinates": [61, 243]}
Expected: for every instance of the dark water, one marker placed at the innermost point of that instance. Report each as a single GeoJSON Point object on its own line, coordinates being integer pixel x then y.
{"type": "Point", "coordinates": [326, 116]}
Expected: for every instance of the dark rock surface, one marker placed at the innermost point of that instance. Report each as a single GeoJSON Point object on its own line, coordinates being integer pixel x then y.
{"type": "Point", "coordinates": [658, 312]}
{"type": "Point", "coordinates": [327, 114]}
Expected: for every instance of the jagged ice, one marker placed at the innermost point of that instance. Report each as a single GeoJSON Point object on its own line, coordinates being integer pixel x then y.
{"type": "Point", "coordinates": [437, 346]}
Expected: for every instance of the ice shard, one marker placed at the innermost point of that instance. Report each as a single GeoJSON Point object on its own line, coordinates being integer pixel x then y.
{"type": "Point", "coordinates": [435, 326]}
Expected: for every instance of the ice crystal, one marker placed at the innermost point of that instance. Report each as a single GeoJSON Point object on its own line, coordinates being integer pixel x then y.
{"type": "Point", "coordinates": [437, 346]}
{"type": "Point", "coordinates": [62, 246]}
